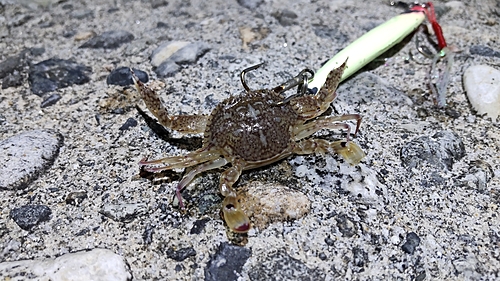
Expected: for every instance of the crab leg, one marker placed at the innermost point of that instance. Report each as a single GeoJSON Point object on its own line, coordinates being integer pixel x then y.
{"type": "Point", "coordinates": [188, 124]}
{"type": "Point", "coordinates": [176, 162]}
{"type": "Point", "coordinates": [328, 122]}
{"type": "Point", "coordinates": [235, 218]}
{"type": "Point", "coordinates": [350, 151]}
{"type": "Point", "coordinates": [217, 163]}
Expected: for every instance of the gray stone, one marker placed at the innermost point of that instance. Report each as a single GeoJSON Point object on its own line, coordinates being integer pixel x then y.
{"type": "Point", "coordinates": [29, 216]}
{"type": "Point", "coordinates": [227, 263]}
{"type": "Point", "coordinates": [281, 266]}
{"type": "Point", "coordinates": [125, 212]}
{"type": "Point", "coordinates": [24, 157]}
{"type": "Point", "coordinates": [52, 74]}
{"type": "Point", "coordinates": [412, 242]}
{"type": "Point", "coordinates": [96, 264]}
{"type": "Point", "coordinates": [440, 151]}
{"type": "Point", "coordinates": [109, 40]}
{"type": "Point", "coordinates": [50, 100]}
{"type": "Point", "coordinates": [167, 69]}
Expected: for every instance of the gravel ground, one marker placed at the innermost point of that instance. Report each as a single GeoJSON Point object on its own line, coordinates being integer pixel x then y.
{"type": "Point", "coordinates": [422, 205]}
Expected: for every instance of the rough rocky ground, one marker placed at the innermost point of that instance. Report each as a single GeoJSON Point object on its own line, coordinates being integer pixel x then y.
{"type": "Point", "coordinates": [422, 205]}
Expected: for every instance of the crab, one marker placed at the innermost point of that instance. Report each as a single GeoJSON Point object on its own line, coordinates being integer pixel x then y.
{"type": "Point", "coordinates": [251, 130]}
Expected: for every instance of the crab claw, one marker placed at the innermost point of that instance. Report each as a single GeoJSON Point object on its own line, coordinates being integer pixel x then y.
{"type": "Point", "coordinates": [233, 215]}
{"type": "Point", "coordinates": [350, 151]}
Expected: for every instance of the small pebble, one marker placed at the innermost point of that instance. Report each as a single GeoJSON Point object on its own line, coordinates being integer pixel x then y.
{"type": "Point", "coordinates": [14, 79]}
{"type": "Point", "coordinates": [29, 216]}
{"type": "Point", "coordinates": [51, 100]}
{"type": "Point", "coordinates": [165, 51]}
{"type": "Point", "coordinates": [482, 84]}
{"type": "Point", "coordinates": [198, 226]}
{"type": "Point", "coordinates": [250, 4]}
{"type": "Point", "coordinates": [440, 151]}
{"type": "Point", "coordinates": [96, 264]}
{"type": "Point", "coordinates": [84, 35]}
{"type": "Point", "coordinates": [125, 212]}
{"type": "Point", "coordinates": [109, 40]}
{"type": "Point", "coordinates": [75, 198]}
{"type": "Point", "coordinates": [169, 55]}
{"type": "Point", "coordinates": [9, 65]}
{"type": "Point", "coordinates": [281, 266]}
{"type": "Point", "coordinates": [25, 157]}
{"type": "Point", "coordinates": [286, 17]}
{"type": "Point", "coordinates": [52, 74]}
{"type": "Point", "coordinates": [227, 263]}
{"type": "Point", "coordinates": [122, 77]}
{"type": "Point", "coordinates": [131, 122]}
{"type": "Point", "coordinates": [167, 69]}
{"type": "Point", "coordinates": [484, 51]}
{"type": "Point", "coordinates": [412, 242]}
{"type": "Point", "coordinates": [181, 254]}
{"type": "Point", "coordinates": [268, 203]}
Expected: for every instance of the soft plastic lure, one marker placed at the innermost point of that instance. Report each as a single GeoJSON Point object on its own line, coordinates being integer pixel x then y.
{"type": "Point", "coordinates": [382, 38]}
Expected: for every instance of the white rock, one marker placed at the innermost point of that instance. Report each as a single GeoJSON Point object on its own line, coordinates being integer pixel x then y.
{"type": "Point", "coordinates": [482, 84]}
{"type": "Point", "coordinates": [165, 50]}
{"type": "Point", "coordinates": [97, 264]}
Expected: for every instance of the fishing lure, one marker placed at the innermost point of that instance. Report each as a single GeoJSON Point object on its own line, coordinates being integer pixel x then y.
{"type": "Point", "coordinates": [382, 38]}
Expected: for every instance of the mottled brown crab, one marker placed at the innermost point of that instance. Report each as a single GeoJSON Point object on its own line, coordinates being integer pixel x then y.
{"type": "Point", "coordinates": [251, 130]}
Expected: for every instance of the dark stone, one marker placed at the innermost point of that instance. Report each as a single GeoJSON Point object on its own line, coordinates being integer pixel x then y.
{"type": "Point", "coordinates": [131, 122]}
{"type": "Point", "coordinates": [161, 24]}
{"type": "Point", "coordinates": [37, 51]}
{"type": "Point", "coordinates": [181, 254]}
{"type": "Point", "coordinates": [483, 51]}
{"type": "Point", "coordinates": [19, 20]}
{"type": "Point", "coordinates": [14, 79]}
{"type": "Point", "coordinates": [122, 76]}
{"type": "Point", "coordinates": [280, 266]}
{"type": "Point", "coordinates": [359, 257]}
{"type": "Point", "coordinates": [53, 74]}
{"type": "Point", "coordinates": [167, 68]}
{"type": "Point", "coordinates": [26, 156]}
{"type": "Point", "coordinates": [412, 241]}
{"type": "Point", "coordinates": [227, 262]}
{"type": "Point", "coordinates": [440, 151]}
{"type": "Point", "coordinates": [322, 256]}
{"type": "Point", "coordinates": [147, 235]}
{"type": "Point", "coordinates": [75, 198]}
{"type": "Point", "coordinates": [198, 226]}
{"type": "Point", "coordinates": [328, 32]}
{"type": "Point", "coordinates": [286, 17]}
{"type": "Point", "coordinates": [346, 226]}
{"type": "Point", "coordinates": [9, 65]}
{"type": "Point", "coordinates": [29, 216]}
{"type": "Point", "coordinates": [250, 4]}
{"type": "Point", "coordinates": [158, 3]}
{"type": "Point", "coordinates": [109, 40]}
{"type": "Point", "coordinates": [329, 241]}
{"type": "Point", "coordinates": [51, 100]}
{"type": "Point", "coordinates": [82, 232]}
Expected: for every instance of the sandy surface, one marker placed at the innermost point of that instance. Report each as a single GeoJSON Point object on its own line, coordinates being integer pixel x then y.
{"type": "Point", "coordinates": [359, 217]}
